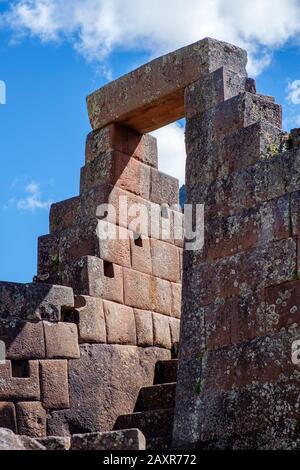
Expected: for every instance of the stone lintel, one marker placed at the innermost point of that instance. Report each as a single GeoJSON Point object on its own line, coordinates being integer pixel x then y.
{"type": "Point", "coordinates": [153, 95]}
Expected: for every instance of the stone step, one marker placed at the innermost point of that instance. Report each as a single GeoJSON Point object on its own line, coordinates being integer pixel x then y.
{"type": "Point", "coordinates": [166, 372]}
{"type": "Point", "coordinates": [157, 397]}
{"type": "Point", "coordinates": [159, 443]}
{"type": "Point", "coordinates": [155, 423]}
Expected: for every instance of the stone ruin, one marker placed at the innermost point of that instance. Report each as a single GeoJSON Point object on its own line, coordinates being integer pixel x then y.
{"type": "Point", "coordinates": [91, 345]}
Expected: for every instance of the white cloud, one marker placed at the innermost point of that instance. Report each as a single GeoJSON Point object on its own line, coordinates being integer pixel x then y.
{"type": "Point", "coordinates": [97, 27]}
{"type": "Point", "coordinates": [171, 150]}
{"type": "Point", "coordinates": [293, 95]}
{"type": "Point", "coordinates": [31, 200]}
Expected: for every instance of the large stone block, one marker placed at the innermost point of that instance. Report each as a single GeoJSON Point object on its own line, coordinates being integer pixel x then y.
{"type": "Point", "coordinates": [161, 331]}
{"type": "Point", "coordinates": [34, 302]}
{"type": "Point", "coordinates": [282, 306]}
{"type": "Point", "coordinates": [54, 384]}
{"type": "Point", "coordinates": [176, 300]}
{"type": "Point", "coordinates": [161, 295]}
{"type": "Point", "coordinates": [61, 340]}
{"type": "Point", "coordinates": [23, 340]}
{"type": "Point", "coordinates": [144, 327]}
{"type": "Point", "coordinates": [117, 169]}
{"type": "Point", "coordinates": [124, 140]}
{"type": "Point", "coordinates": [120, 323]}
{"type": "Point", "coordinates": [94, 277]}
{"type": "Point", "coordinates": [141, 254]}
{"type": "Point", "coordinates": [121, 372]}
{"type": "Point", "coordinates": [137, 289]}
{"type": "Point", "coordinates": [153, 95]}
{"type": "Point", "coordinates": [19, 386]}
{"type": "Point", "coordinates": [165, 260]}
{"type": "Point", "coordinates": [130, 439]}
{"type": "Point", "coordinates": [164, 188]}
{"type": "Point", "coordinates": [91, 320]}
{"type": "Point", "coordinates": [31, 418]}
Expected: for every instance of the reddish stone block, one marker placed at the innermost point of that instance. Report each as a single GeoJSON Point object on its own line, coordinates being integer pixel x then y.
{"type": "Point", "coordinates": [54, 385]}
{"type": "Point", "coordinates": [165, 260]}
{"type": "Point", "coordinates": [23, 340]}
{"type": "Point", "coordinates": [20, 386]}
{"type": "Point", "coordinates": [93, 277]}
{"type": "Point", "coordinates": [176, 300]}
{"type": "Point", "coordinates": [8, 416]}
{"type": "Point", "coordinates": [114, 244]}
{"type": "Point", "coordinates": [117, 169]}
{"type": "Point", "coordinates": [282, 306]}
{"type": "Point", "coordinates": [144, 327]}
{"type": "Point", "coordinates": [61, 340]}
{"type": "Point", "coordinates": [137, 289]}
{"type": "Point", "coordinates": [91, 320]}
{"type": "Point", "coordinates": [120, 324]}
{"type": "Point", "coordinates": [161, 331]}
{"type": "Point", "coordinates": [161, 296]}
{"type": "Point", "coordinates": [164, 188]}
{"type": "Point", "coordinates": [141, 254]}
{"type": "Point", "coordinates": [31, 418]}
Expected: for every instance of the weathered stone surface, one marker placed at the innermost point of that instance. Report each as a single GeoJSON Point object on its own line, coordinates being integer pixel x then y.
{"type": "Point", "coordinates": [10, 441]}
{"type": "Point", "coordinates": [61, 340]}
{"type": "Point", "coordinates": [23, 340]}
{"type": "Point", "coordinates": [164, 188]}
{"type": "Point", "coordinates": [114, 244]}
{"type": "Point", "coordinates": [21, 388]}
{"type": "Point", "coordinates": [131, 439]}
{"type": "Point", "coordinates": [165, 260]}
{"type": "Point", "coordinates": [282, 306]}
{"type": "Point", "coordinates": [176, 300]}
{"type": "Point", "coordinates": [137, 289]}
{"type": "Point", "coordinates": [124, 140]}
{"type": "Point", "coordinates": [174, 330]}
{"type": "Point", "coordinates": [55, 443]}
{"type": "Point", "coordinates": [8, 416]}
{"type": "Point", "coordinates": [141, 254]}
{"type": "Point", "coordinates": [120, 323]}
{"type": "Point", "coordinates": [144, 327]}
{"type": "Point", "coordinates": [97, 399]}
{"type": "Point", "coordinates": [34, 302]}
{"type": "Point", "coordinates": [31, 418]}
{"type": "Point", "coordinates": [161, 294]}
{"type": "Point", "coordinates": [88, 276]}
{"type": "Point", "coordinates": [117, 169]}
{"type": "Point", "coordinates": [161, 331]}
{"type": "Point", "coordinates": [54, 384]}
{"type": "Point", "coordinates": [91, 320]}
{"type": "Point", "coordinates": [135, 99]}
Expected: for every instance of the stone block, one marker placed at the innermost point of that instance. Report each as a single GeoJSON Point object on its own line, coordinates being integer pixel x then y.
{"type": "Point", "coordinates": [124, 140]}
{"type": "Point", "coordinates": [138, 102]}
{"type": "Point", "coordinates": [61, 340]}
{"type": "Point", "coordinates": [164, 188]}
{"type": "Point", "coordinates": [120, 323]}
{"type": "Point", "coordinates": [141, 254]}
{"type": "Point", "coordinates": [161, 295]}
{"type": "Point", "coordinates": [117, 169]}
{"type": "Point", "coordinates": [21, 387]}
{"type": "Point", "coordinates": [94, 277]}
{"type": "Point", "coordinates": [31, 418]}
{"type": "Point", "coordinates": [165, 260]}
{"type": "Point", "coordinates": [176, 300]}
{"type": "Point", "coordinates": [23, 340]}
{"type": "Point", "coordinates": [8, 416]}
{"type": "Point", "coordinates": [54, 384]}
{"type": "Point", "coordinates": [91, 320]}
{"type": "Point", "coordinates": [130, 439]}
{"type": "Point", "coordinates": [174, 330]}
{"type": "Point", "coordinates": [12, 442]}
{"type": "Point", "coordinates": [34, 302]}
{"type": "Point", "coordinates": [144, 327]}
{"type": "Point", "coordinates": [161, 331]}
{"type": "Point", "coordinates": [137, 289]}
{"type": "Point", "coordinates": [114, 243]}
{"type": "Point", "coordinates": [55, 443]}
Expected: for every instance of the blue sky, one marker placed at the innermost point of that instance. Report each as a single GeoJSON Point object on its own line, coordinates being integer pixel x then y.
{"type": "Point", "coordinates": [52, 56]}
